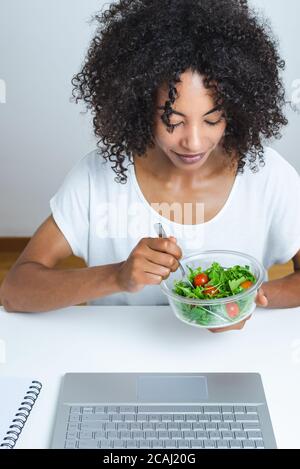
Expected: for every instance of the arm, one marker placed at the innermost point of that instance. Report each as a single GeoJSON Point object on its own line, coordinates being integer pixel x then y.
{"type": "Point", "coordinates": [283, 292]}
{"type": "Point", "coordinates": [33, 284]}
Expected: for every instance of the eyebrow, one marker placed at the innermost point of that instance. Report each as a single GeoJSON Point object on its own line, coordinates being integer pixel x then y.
{"type": "Point", "coordinates": [216, 108]}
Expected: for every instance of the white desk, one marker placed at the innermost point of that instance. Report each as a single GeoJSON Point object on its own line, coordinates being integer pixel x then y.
{"type": "Point", "coordinates": [44, 346]}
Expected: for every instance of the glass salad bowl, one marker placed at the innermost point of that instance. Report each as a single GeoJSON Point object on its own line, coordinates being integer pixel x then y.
{"type": "Point", "coordinates": [226, 285]}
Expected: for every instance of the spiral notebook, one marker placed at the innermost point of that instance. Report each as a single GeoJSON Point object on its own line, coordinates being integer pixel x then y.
{"type": "Point", "coordinates": [17, 399]}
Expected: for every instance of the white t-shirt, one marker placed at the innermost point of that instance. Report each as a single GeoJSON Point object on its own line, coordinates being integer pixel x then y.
{"type": "Point", "coordinates": [103, 220]}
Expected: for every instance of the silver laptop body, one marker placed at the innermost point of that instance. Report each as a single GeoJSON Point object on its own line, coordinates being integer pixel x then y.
{"type": "Point", "coordinates": [162, 410]}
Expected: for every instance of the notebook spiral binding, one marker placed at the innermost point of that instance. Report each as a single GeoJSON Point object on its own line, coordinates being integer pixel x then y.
{"type": "Point", "coordinates": [21, 416]}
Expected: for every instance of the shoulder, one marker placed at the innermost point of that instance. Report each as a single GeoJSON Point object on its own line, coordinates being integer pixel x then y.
{"type": "Point", "coordinates": [276, 168]}
{"type": "Point", "coordinates": [277, 164]}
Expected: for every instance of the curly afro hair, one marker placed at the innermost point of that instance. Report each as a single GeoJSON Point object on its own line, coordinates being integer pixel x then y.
{"type": "Point", "coordinates": [139, 45]}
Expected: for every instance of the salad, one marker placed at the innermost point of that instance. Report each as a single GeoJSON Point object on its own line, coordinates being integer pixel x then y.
{"type": "Point", "coordinates": [216, 282]}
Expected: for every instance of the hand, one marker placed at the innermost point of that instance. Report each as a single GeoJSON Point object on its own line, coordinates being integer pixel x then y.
{"type": "Point", "coordinates": [151, 261]}
{"type": "Point", "coordinates": [237, 326]}
{"type": "Point", "coordinates": [261, 299]}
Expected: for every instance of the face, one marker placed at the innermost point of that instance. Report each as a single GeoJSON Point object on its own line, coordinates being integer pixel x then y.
{"type": "Point", "coordinates": [196, 129]}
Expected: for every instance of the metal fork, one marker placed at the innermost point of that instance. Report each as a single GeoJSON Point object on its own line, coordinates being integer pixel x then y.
{"type": "Point", "coordinates": [162, 234]}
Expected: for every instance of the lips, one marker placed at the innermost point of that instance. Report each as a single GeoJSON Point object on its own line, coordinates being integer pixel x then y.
{"type": "Point", "coordinates": [191, 156]}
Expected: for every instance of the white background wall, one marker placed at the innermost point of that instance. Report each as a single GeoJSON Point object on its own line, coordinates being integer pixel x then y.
{"type": "Point", "coordinates": [42, 134]}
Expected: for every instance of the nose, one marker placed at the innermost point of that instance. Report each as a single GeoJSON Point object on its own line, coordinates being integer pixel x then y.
{"type": "Point", "coordinates": [194, 140]}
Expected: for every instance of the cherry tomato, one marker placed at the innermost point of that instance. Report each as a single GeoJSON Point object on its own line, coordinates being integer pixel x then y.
{"type": "Point", "coordinates": [211, 290]}
{"type": "Point", "coordinates": [246, 284]}
{"type": "Point", "coordinates": [232, 309]}
{"type": "Point", "coordinates": [200, 279]}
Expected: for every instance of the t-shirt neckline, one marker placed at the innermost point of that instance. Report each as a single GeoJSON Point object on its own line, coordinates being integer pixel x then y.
{"type": "Point", "coordinates": [167, 220]}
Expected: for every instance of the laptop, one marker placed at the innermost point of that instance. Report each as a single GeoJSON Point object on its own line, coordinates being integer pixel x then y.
{"type": "Point", "coordinates": [162, 410]}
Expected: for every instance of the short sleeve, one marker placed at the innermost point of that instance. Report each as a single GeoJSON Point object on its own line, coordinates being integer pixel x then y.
{"type": "Point", "coordinates": [284, 235]}
{"type": "Point", "coordinates": [70, 208]}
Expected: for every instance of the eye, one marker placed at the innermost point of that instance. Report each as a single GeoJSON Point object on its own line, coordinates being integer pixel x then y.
{"type": "Point", "coordinates": [175, 125]}
{"type": "Point", "coordinates": [213, 123]}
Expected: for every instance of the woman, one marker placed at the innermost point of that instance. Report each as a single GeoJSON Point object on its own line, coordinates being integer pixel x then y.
{"type": "Point", "coordinates": [164, 79]}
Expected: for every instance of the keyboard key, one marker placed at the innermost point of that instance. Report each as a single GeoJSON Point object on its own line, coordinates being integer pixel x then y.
{"type": "Point", "coordinates": [240, 435]}
{"type": "Point", "coordinates": [247, 444]}
{"type": "Point", "coordinates": [227, 435]}
{"type": "Point", "coordinates": [125, 435]}
{"type": "Point", "coordinates": [170, 444]}
{"type": "Point", "coordinates": [142, 418]}
{"type": "Point", "coordinates": [203, 418]}
{"type": "Point", "coordinates": [112, 409]}
{"type": "Point", "coordinates": [227, 409]}
{"type": "Point", "coordinates": [138, 435]}
{"type": "Point", "coordinates": [117, 418]}
{"type": "Point", "coordinates": [163, 435]}
{"type": "Point", "coordinates": [123, 426]}
{"type": "Point", "coordinates": [105, 444]}
{"type": "Point", "coordinates": [202, 435]}
{"type": "Point", "coordinates": [154, 418]}
{"type": "Point", "coordinates": [128, 409]}
{"type": "Point", "coordinates": [259, 444]}
{"type": "Point", "coordinates": [251, 409]}
{"type": "Point", "coordinates": [160, 426]}
{"type": "Point", "coordinates": [100, 435]}
{"type": "Point", "coordinates": [166, 418]}
{"type": "Point", "coordinates": [214, 435]}
{"type": "Point", "coordinates": [156, 444]}
{"type": "Point", "coordinates": [215, 417]}
{"type": "Point", "coordinates": [225, 426]}
{"type": "Point", "coordinates": [239, 409]}
{"type": "Point", "coordinates": [251, 426]}
{"type": "Point", "coordinates": [71, 444]}
{"type": "Point", "coordinates": [75, 410]}
{"type": "Point", "coordinates": [191, 418]}
{"type": "Point", "coordinates": [150, 426]}
{"type": "Point", "coordinates": [93, 426]}
{"type": "Point", "coordinates": [183, 444]}
{"type": "Point", "coordinates": [112, 435]}
{"type": "Point", "coordinates": [145, 444]}
{"type": "Point", "coordinates": [72, 435]}
{"type": "Point", "coordinates": [129, 418]}
{"type": "Point", "coordinates": [176, 435]}
{"type": "Point", "coordinates": [74, 418]}
{"type": "Point", "coordinates": [188, 435]}
{"type": "Point", "coordinates": [247, 418]}
{"type": "Point", "coordinates": [119, 444]}
{"type": "Point", "coordinates": [211, 426]}
{"type": "Point", "coordinates": [92, 417]}
{"type": "Point", "coordinates": [236, 426]}
{"type": "Point", "coordinates": [110, 426]}
{"type": "Point", "coordinates": [178, 418]}
{"type": "Point", "coordinates": [254, 435]}
{"type": "Point", "coordinates": [235, 444]}
{"type": "Point", "coordinates": [230, 417]}
{"type": "Point", "coordinates": [130, 444]}
{"type": "Point", "coordinates": [150, 435]}
{"type": "Point", "coordinates": [99, 409]}
{"type": "Point", "coordinates": [209, 444]}
{"type": "Point", "coordinates": [185, 425]}
{"type": "Point", "coordinates": [73, 426]}
{"type": "Point", "coordinates": [174, 426]}
{"type": "Point", "coordinates": [196, 443]}
{"type": "Point", "coordinates": [222, 444]}
{"type": "Point", "coordinates": [88, 444]}
{"type": "Point", "coordinates": [88, 410]}
{"type": "Point", "coordinates": [86, 435]}
{"type": "Point", "coordinates": [211, 409]}
{"type": "Point", "coordinates": [198, 426]}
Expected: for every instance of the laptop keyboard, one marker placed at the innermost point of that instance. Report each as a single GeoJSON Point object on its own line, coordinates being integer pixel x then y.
{"type": "Point", "coordinates": [164, 426]}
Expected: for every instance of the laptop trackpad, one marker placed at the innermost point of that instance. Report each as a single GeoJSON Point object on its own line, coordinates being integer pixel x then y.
{"type": "Point", "coordinates": [171, 388]}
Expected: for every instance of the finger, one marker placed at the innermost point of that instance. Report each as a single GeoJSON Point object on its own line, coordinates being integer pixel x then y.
{"type": "Point", "coordinates": [165, 245]}
{"type": "Point", "coordinates": [152, 268]}
{"type": "Point", "coordinates": [161, 258]}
